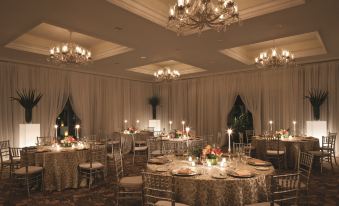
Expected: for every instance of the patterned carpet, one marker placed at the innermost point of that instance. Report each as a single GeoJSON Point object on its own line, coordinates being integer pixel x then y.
{"type": "Point", "coordinates": [324, 190]}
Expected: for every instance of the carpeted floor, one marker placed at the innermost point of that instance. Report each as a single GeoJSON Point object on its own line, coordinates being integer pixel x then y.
{"type": "Point", "coordinates": [324, 190]}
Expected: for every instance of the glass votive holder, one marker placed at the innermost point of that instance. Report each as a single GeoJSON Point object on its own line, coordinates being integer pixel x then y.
{"type": "Point", "coordinates": [190, 158]}
{"type": "Point", "coordinates": [193, 164]}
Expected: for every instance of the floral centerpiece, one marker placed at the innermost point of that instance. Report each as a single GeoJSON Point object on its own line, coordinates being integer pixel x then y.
{"type": "Point", "coordinates": [130, 130]}
{"type": "Point", "coordinates": [212, 154]}
{"type": "Point", "coordinates": [68, 141]}
{"type": "Point", "coordinates": [178, 133]}
{"type": "Point", "coordinates": [283, 133]}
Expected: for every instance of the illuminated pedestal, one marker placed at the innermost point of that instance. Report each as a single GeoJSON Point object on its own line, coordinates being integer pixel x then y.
{"type": "Point", "coordinates": [28, 134]}
{"type": "Point", "coordinates": [155, 123]}
{"type": "Point", "coordinates": [316, 129]}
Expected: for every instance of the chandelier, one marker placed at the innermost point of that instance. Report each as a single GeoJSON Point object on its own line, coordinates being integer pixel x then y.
{"type": "Point", "coordinates": [275, 59]}
{"type": "Point", "coordinates": [166, 74]}
{"type": "Point", "coordinates": [198, 14]}
{"type": "Point", "coordinates": [69, 53]}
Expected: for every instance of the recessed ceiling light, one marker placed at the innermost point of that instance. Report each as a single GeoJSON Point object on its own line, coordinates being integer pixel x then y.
{"type": "Point", "coordinates": [143, 57]}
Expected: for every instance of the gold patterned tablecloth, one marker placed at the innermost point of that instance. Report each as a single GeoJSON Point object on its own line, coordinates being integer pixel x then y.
{"type": "Point", "coordinates": [205, 190]}
{"type": "Point", "coordinates": [293, 146]}
{"type": "Point", "coordinates": [60, 167]}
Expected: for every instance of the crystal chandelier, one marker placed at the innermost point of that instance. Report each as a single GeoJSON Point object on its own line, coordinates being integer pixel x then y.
{"type": "Point", "coordinates": [69, 53]}
{"type": "Point", "coordinates": [275, 59]}
{"type": "Point", "coordinates": [198, 14]}
{"type": "Point", "coordinates": [166, 74]}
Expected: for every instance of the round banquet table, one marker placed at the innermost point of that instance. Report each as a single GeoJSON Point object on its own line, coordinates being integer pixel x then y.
{"type": "Point", "coordinates": [60, 167]}
{"type": "Point", "coordinates": [293, 146]}
{"type": "Point", "coordinates": [205, 190]}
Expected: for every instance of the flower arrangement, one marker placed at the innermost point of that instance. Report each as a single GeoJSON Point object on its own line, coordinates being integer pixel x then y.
{"type": "Point", "coordinates": [130, 130]}
{"type": "Point", "coordinates": [68, 141]}
{"type": "Point", "coordinates": [211, 152]}
{"type": "Point", "coordinates": [178, 133]}
{"type": "Point", "coordinates": [283, 133]}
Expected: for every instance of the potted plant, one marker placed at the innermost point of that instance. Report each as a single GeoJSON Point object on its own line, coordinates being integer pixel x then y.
{"type": "Point", "coordinates": [241, 123]}
{"type": "Point", "coordinates": [316, 97]}
{"type": "Point", "coordinates": [28, 100]}
{"type": "Point", "coordinates": [154, 102]}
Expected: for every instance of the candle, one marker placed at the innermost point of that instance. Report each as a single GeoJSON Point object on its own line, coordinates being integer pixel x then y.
{"type": "Point", "coordinates": [294, 128]}
{"type": "Point", "coordinates": [271, 123]}
{"type": "Point", "coordinates": [187, 129]}
{"type": "Point", "coordinates": [190, 158]}
{"type": "Point", "coordinates": [209, 164]}
{"type": "Point", "coordinates": [222, 164]}
{"type": "Point", "coordinates": [183, 126]}
{"type": "Point", "coordinates": [229, 132]}
{"type": "Point", "coordinates": [223, 159]}
{"type": "Point", "coordinates": [125, 123]}
{"type": "Point", "coordinates": [58, 147]}
{"type": "Point", "coordinates": [73, 146]}
{"type": "Point", "coordinates": [170, 123]}
{"type": "Point", "coordinates": [77, 130]}
{"type": "Point", "coordinates": [56, 131]}
{"type": "Point", "coordinates": [66, 133]}
{"type": "Point", "coordinates": [193, 164]}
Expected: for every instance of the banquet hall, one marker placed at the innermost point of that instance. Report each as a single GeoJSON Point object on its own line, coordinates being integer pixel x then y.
{"type": "Point", "coordinates": [169, 102]}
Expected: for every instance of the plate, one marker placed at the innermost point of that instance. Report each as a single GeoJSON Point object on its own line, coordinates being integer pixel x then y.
{"type": "Point", "coordinates": [157, 161]}
{"type": "Point", "coordinates": [184, 172]}
{"type": "Point", "coordinates": [162, 169]}
{"type": "Point", "coordinates": [261, 163]}
{"type": "Point", "coordinates": [236, 174]}
{"type": "Point", "coordinates": [219, 175]}
{"type": "Point", "coordinates": [262, 168]}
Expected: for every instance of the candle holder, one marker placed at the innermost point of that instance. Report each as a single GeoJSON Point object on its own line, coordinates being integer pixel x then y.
{"type": "Point", "coordinates": [229, 132]}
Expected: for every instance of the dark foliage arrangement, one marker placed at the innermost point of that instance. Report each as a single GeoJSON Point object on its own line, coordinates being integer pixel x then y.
{"type": "Point", "coordinates": [154, 101]}
{"type": "Point", "coordinates": [28, 100]}
{"type": "Point", "coordinates": [316, 97]}
{"type": "Point", "coordinates": [241, 123]}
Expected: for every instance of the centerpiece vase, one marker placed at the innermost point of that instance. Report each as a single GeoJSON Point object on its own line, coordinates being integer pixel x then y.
{"type": "Point", "coordinates": [213, 161]}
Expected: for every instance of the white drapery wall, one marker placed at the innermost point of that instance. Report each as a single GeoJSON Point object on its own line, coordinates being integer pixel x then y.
{"type": "Point", "coordinates": [102, 103]}
{"type": "Point", "coordinates": [276, 95]}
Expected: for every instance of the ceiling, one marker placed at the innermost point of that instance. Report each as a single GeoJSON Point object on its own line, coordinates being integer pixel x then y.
{"type": "Point", "coordinates": [130, 37]}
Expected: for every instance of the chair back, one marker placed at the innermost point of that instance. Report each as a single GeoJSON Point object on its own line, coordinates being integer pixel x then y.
{"type": "Point", "coordinates": [119, 166]}
{"type": "Point", "coordinates": [153, 144]}
{"type": "Point", "coordinates": [328, 142]}
{"type": "Point", "coordinates": [238, 147]}
{"type": "Point", "coordinates": [248, 135]}
{"type": "Point", "coordinates": [274, 143]}
{"type": "Point", "coordinates": [4, 144]}
{"type": "Point", "coordinates": [98, 154]}
{"type": "Point", "coordinates": [196, 145]}
{"type": "Point", "coordinates": [158, 187]}
{"type": "Point", "coordinates": [305, 162]}
{"type": "Point", "coordinates": [285, 189]}
{"type": "Point", "coordinates": [15, 152]}
{"type": "Point", "coordinates": [44, 141]}
{"type": "Point", "coordinates": [4, 155]}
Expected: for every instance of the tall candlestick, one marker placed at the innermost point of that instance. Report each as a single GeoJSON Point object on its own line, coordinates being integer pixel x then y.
{"type": "Point", "coordinates": [271, 125]}
{"type": "Point", "coordinates": [170, 123]}
{"type": "Point", "coordinates": [77, 130]}
{"type": "Point", "coordinates": [137, 123]}
{"type": "Point", "coordinates": [294, 128]}
{"type": "Point", "coordinates": [183, 126]}
{"type": "Point", "coordinates": [229, 132]}
{"type": "Point", "coordinates": [125, 123]}
{"type": "Point", "coordinates": [56, 131]}
{"type": "Point", "coordinates": [187, 132]}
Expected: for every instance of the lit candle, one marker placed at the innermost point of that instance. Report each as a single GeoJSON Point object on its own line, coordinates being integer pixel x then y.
{"type": "Point", "coordinates": [193, 164]}
{"type": "Point", "coordinates": [77, 130]}
{"type": "Point", "coordinates": [271, 125]}
{"type": "Point", "coordinates": [229, 132]}
{"type": "Point", "coordinates": [187, 130]}
{"type": "Point", "coordinates": [294, 128]}
{"type": "Point", "coordinates": [170, 123]}
{"type": "Point", "coordinates": [56, 131]}
{"type": "Point", "coordinates": [181, 3]}
{"type": "Point", "coordinates": [223, 159]}
{"type": "Point", "coordinates": [190, 158]}
{"type": "Point", "coordinates": [125, 123]}
{"type": "Point", "coordinates": [222, 164]}
{"type": "Point", "coordinates": [209, 164]}
{"type": "Point", "coordinates": [66, 133]}
{"type": "Point", "coordinates": [183, 126]}
{"type": "Point", "coordinates": [58, 147]}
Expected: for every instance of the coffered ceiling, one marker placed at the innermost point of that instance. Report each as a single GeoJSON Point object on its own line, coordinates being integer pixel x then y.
{"type": "Point", "coordinates": [129, 38]}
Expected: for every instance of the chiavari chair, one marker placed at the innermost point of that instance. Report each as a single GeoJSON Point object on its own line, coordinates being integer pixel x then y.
{"type": "Point", "coordinates": [305, 162]}
{"type": "Point", "coordinates": [275, 150]}
{"type": "Point", "coordinates": [325, 153]}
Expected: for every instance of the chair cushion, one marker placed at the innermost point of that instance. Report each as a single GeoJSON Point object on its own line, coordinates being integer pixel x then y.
{"type": "Point", "coordinates": [319, 153]}
{"type": "Point", "coordinates": [31, 170]}
{"type": "Point", "coordinates": [131, 182]}
{"type": "Point", "coordinates": [140, 148]}
{"type": "Point", "coordinates": [275, 152]}
{"type": "Point", "coordinates": [114, 142]}
{"type": "Point", "coordinates": [156, 152]}
{"type": "Point", "coordinates": [168, 203]}
{"type": "Point", "coordinates": [87, 165]}
{"type": "Point", "coordinates": [263, 204]}
{"type": "Point", "coordinates": [140, 142]}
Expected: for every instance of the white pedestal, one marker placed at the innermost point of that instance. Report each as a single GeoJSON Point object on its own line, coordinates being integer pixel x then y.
{"type": "Point", "coordinates": [28, 134]}
{"type": "Point", "coordinates": [155, 123]}
{"type": "Point", "coordinates": [316, 129]}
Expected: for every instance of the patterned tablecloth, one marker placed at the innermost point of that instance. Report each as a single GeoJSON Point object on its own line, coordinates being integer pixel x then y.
{"type": "Point", "coordinates": [60, 167]}
{"type": "Point", "coordinates": [205, 190]}
{"type": "Point", "coordinates": [293, 146]}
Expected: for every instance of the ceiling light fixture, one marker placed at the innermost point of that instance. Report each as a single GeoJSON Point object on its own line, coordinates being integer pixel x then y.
{"type": "Point", "coordinates": [275, 59]}
{"type": "Point", "coordinates": [198, 14]}
{"type": "Point", "coordinates": [69, 53]}
{"type": "Point", "coordinates": [166, 74]}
